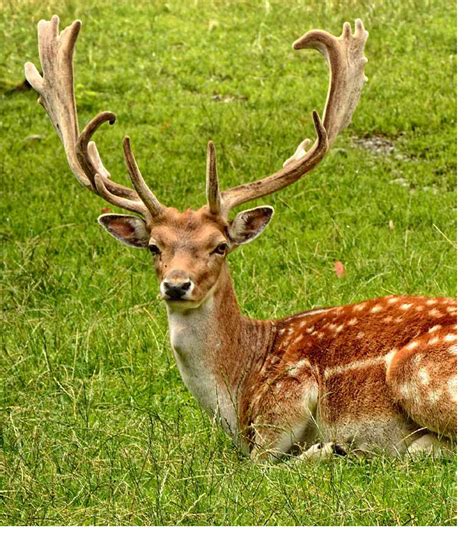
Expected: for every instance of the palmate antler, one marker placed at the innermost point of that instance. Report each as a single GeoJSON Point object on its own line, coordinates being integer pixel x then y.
{"type": "Point", "coordinates": [345, 57]}
{"type": "Point", "coordinates": [56, 89]}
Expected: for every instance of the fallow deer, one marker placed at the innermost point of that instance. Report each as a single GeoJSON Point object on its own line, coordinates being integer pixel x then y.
{"type": "Point", "coordinates": [379, 375]}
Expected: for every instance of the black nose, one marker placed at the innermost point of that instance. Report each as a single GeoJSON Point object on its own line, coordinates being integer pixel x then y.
{"type": "Point", "coordinates": [176, 290]}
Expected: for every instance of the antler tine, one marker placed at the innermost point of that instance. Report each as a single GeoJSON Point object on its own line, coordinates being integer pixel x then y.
{"type": "Point", "coordinates": [346, 62]}
{"type": "Point", "coordinates": [146, 195]}
{"type": "Point", "coordinates": [100, 183]}
{"type": "Point", "coordinates": [346, 65]}
{"type": "Point", "coordinates": [56, 90]}
{"type": "Point", "coordinates": [55, 51]}
{"type": "Point", "coordinates": [212, 181]}
{"type": "Point", "coordinates": [293, 171]}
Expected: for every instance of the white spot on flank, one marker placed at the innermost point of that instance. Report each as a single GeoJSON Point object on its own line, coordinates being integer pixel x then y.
{"type": "Point", "coordinates": [424, 376]}
{"type": "Point", "coordinates": [417, 358]}
{"type": "Point", "coordinates": [450, 337]}
{"type": "Point", "coordinates": [360, 307]}
{"type": "Point", "coordinates": [360, 335]}
{"type": "Point", "coordinates": [433, 396]}
{"type": "Point", "coordinates": [310, 329]}
{"type": "Point", "coordinates": [431, 302]}
{"type": "Point", "coordinates": [392, 300]}
{"type": "Point", "coordinates": [435, 313]}
{"type": "Point", "coordinates": [434, 328]}
{"type": "Point", "coordinates": [352, 321]}
{"type": "Point", "coordinates": [298, 339]}
{"type": "Point", "coordinates": [452, 309]}
{"type": "Point", "coordinates": [353, 366]}
{"type": "Point", "coordinates": [376, 308]}
{"type": "Point", "coordinates": [419, 308]}
{"type": "Point", "coordinates": [433, 340]}
{"type": "Point", "coordinates": [453, 388]}
{"type": "Point", "coordinates": [387, 319]}
{"type": "Point", "coordinates": [453, 349]}
{"type": "Point", "coordinates": [399, 319]}
{"type": "Point", "coordinates": [339, 328]}
{"type": "Point", "coordinates": [316, 311]}
{"type": "Point", "coordinates": [405, 390]}
{"type": "Point", "coordinates": [389, 357]}
{"type": "Point", "coordinates": [412, 345]}
{"type": "Point", "coordinates": [406, 306]}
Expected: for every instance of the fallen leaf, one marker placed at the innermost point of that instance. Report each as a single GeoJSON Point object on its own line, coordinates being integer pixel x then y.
{"type": "Point", "coordinates": [339, 269]}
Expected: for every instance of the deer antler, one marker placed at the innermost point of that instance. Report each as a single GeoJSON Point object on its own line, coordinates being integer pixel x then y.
{"type": "Point", "coordinates": [346, 64]}
{"type": "Point", "coordinates": [56, 90]}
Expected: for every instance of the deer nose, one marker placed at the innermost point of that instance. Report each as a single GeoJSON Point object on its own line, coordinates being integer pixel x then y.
{"type": "Point", "coordinates": [176, 289]}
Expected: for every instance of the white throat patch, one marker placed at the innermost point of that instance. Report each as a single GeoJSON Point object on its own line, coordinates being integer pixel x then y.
{"type": "Point", "coordinates": [194, 346]}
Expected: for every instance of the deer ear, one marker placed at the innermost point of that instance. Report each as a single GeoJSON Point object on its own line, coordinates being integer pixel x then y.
{"type": "Point", "coordinates": [130, 230]}
{"type": "Point", "coordinates": [247, 225]}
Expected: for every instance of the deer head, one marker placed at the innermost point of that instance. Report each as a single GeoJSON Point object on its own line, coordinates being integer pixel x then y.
{"type": "Point", "coordinates": [189, 248]}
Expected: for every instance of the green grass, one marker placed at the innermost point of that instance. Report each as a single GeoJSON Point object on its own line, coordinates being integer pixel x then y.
{"type": "Point", "coordinates": [96, 425]}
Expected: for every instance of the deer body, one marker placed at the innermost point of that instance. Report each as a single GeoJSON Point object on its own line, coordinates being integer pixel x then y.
{"type": "Point", "coordinates": [375, 375]}
{"type": "Point", "coordinates": [335, 375]}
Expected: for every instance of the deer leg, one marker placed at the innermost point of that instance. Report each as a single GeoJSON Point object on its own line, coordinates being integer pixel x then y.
{"type": "Point", "coordinates": [320, 452]}
{"type": "Point", "coordinates": [272, 442]}
{"type": "Point", "coordinates": [422, 378]}
{"type": "Point", "coordinates": [281, 429]}
{"type": "Point", "coordinates": [428, 444]}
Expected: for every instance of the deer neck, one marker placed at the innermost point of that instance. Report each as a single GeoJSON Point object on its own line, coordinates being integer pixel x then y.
{"type": "Point", "coordinates": [216, 348]}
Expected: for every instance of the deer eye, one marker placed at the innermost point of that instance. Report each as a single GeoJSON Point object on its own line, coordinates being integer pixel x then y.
{"type": "Point", "coordinates": [154, 249]}
{"type": "Point", "coordinates": [220, 249]}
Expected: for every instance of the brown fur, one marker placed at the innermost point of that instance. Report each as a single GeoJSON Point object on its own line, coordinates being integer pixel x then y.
{"type": "Point", "coordinates": [270, 366]}
{"type": "Point", "coordinates": [348, 390]}
{"type": "Point", "coordinates": [370, 375]}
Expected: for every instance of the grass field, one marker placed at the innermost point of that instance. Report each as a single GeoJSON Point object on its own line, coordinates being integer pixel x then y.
{"type": "Point", "coordinates": [96, 425]}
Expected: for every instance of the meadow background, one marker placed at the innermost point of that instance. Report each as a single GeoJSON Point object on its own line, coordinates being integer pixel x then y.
{"type": "Point", "coordinates": [96, 425]}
